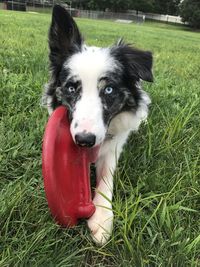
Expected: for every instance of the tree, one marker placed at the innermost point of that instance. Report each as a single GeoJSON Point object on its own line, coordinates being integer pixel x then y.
{"type": "Point", "coordinates": [169, 7]}
{"type": "Point", "coordinates": [114, 5]}
{"type": "Point", "coordinates": [142, 5]}
{"type": "Point", "coordinates": [190, 12]}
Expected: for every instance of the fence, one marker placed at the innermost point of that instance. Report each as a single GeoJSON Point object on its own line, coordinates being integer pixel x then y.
{"type": "Point", "coordinates": [130, 15]}
{"type": "Point", "coordinates": [110, 15]}
{"type": "Point", "coordinates": [159, 17]}
{"type": "Point", "coordinates": [164, 18]}
{"type": "Point", "coordinates": [14, 5]}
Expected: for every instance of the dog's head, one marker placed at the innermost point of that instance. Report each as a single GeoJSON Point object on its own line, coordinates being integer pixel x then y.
{"type": "Point", "coordinates": [94, 83]}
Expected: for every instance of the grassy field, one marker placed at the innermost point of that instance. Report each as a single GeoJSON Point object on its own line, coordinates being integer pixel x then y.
{"type": "Point", "coordinates": [156, 199]}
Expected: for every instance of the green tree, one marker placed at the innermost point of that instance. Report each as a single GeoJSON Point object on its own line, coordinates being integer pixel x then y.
{"type": "Point", "coordinates": [170, 7]}
{"type": "Point", "coordinates": [142, 5]}
{"type": "Point", "coordinates": [155, 6]}
{"type": "Point", "coordinates": [190, 12]}
{"type": "Point", "coordinates": [114, 5]}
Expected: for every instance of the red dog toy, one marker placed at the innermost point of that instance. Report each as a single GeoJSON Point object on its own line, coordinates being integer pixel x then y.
{"type": "Point", "coordinates": [66, 171]}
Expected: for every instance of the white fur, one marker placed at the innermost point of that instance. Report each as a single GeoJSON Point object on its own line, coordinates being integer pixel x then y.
{"type": "Point", "coordinates": [89, 66]}
{"type": "Point", "coordinates": [120, 127]}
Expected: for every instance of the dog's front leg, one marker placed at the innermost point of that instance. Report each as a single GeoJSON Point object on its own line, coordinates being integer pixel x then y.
{"type": "Point", "coordinates": [101, 221]}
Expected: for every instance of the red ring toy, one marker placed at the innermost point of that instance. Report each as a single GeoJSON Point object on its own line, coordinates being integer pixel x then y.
{"type": "Point", "coordinates": [66, 171]}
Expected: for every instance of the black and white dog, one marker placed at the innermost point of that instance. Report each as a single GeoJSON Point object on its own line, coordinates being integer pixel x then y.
{"type": "Point", "coordinates": [101, 89]}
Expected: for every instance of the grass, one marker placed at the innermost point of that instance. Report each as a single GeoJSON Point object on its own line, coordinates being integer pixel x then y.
{"type": "Point", "coordinates": [157, 198]}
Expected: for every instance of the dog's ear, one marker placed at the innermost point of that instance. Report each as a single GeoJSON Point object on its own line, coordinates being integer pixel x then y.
{"type": "Point", "coordinates": [136, 63]}
{"type": "Point", "coordinates": [64, 37]}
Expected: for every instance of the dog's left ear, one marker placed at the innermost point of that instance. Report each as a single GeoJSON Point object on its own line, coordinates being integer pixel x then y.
{"type": "Point", "coordinates": [136, 63]}
{"type": "Point", "coordinates": [64, 37]}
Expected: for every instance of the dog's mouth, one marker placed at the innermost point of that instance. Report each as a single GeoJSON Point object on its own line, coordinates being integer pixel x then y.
{"type": "Point", "coordinates": [90, 149]}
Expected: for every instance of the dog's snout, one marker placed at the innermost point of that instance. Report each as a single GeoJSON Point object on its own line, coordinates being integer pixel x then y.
{"type": "Point", "coordinates": [85, 139]}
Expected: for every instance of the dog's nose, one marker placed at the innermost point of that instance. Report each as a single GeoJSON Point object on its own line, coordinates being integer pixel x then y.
{"type": "Point", "coordinates": [85, 139]}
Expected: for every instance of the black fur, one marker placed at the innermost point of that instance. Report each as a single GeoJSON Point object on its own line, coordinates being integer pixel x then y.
{"type": "Point", "coordinates": [133, 65]}
{"type": "Point", "coordinates": [64, 40]}
{"type": "Point", "coordinates": [69, 99]}
{"type": "Point", "coordinates": [137, 64]}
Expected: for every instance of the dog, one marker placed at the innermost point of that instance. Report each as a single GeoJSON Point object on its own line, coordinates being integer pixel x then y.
{"type": "Point", "coordinates": [101, 88]}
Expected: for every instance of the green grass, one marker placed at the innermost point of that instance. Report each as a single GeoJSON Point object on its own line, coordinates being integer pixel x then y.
{"type": "Point", "coordinates": [156, 199]}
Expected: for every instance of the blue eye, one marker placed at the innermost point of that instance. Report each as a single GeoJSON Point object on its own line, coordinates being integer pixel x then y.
{"type": "Point", "coordinates": [108, 90]}
{"type": "Point", "coordinates": [71, 89]}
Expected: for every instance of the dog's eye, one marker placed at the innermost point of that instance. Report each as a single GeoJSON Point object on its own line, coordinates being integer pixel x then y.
{"type": "Point", "coordinates": [108, 90]}
{"type": "Point", "coordinates": [71, 89]}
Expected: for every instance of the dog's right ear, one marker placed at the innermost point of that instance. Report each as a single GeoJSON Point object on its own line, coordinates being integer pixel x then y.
{"type": "Point", "coordinates": [64, 37]}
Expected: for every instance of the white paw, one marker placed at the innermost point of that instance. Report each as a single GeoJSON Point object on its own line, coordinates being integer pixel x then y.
{"type": "Point", "coordinates": [101, 224]}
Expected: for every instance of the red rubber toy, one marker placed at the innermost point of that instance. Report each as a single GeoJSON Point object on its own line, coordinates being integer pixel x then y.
{"type": "Point", "coordinates": [66, 172]}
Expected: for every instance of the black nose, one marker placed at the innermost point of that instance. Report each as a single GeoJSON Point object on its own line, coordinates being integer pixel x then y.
{"type": "Point", "coordinates": [85, 139]}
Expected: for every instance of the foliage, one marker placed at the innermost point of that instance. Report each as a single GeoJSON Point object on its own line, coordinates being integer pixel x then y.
{"type": "Point", "coordinates": [156, 187]}
{"type": "Point", "coordinates": [114, 5]}
{"type": "Point", "coordinates": [143, 5]}
{"type": "Point", "coordinates": [190, 12]}
{"type": "Point", "coordinates": [169, 7]}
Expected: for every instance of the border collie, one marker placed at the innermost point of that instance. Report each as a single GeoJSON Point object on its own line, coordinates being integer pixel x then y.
{"type": "Point", "coordinates": [101, 87]}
